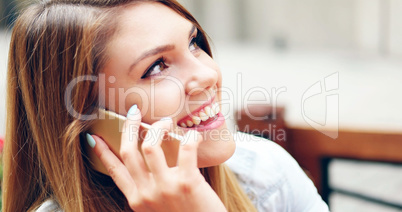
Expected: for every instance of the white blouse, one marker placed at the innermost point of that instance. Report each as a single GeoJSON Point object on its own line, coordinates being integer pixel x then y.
{"type": "Point", "coordinates": [272, 179]}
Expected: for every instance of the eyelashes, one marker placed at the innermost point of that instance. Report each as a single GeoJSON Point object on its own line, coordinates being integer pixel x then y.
{"type": "Point", "coordinates": [196, 42]}
{"type": "Point", "coordinates": [156, 68]}
{"type": "Point", "coordinates": [160, 65]}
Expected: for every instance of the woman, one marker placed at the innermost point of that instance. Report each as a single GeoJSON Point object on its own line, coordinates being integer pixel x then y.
{"type": "Point", "coordinates": [157, 64]}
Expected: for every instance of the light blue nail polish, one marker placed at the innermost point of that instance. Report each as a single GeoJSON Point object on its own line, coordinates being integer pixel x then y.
{"type": "Point", "coordinates": [166, 119]}
{"type": "Point", "coordinates": [90, 140]}
{"type": "Point", "coordinates": [132, 111]}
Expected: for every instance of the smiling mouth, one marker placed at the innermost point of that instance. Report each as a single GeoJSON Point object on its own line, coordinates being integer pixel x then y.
{"type": "Point", "coordinates": [203, 117]}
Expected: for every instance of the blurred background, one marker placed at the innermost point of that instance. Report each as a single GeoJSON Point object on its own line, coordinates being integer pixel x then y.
{"type": "Point", "coordinates": [329, 70]}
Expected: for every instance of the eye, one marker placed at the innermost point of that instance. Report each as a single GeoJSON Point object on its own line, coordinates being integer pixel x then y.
{"type": "Point", "coordinates": [195, 42]}
{"type": "Point", "coordinates": [156, 68]}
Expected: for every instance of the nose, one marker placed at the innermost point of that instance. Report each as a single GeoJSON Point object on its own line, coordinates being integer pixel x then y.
{"type": "Point", "coordinates": [201, 76]}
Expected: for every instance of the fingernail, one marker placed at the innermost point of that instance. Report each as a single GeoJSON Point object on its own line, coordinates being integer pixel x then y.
{"type": "Point", "coordinates": [132, 111]}
{"type": "Point", "coordinates": [166, 119]}
{"type": "Point", "coordinates": [90, 140]}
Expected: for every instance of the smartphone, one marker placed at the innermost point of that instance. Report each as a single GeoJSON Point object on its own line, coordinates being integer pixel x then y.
{"type": "Point", "coordinates": [109, 126]}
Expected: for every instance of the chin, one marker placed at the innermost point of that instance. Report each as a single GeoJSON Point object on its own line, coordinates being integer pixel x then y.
{"type": "Point", "coordinates": [213, 153]}
{"type": "Point", "coordinates": [214, 160]}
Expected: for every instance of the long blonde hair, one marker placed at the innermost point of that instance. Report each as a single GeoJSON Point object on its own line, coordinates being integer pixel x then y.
{"type": "Point", "coordinates": [53, 43]}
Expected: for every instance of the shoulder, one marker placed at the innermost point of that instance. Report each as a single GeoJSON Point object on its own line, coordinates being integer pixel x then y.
{"type": "Point", "coordinates": [49, 205]}
{"type": "Point", "coordinates": [259, 164]}
{"type": "Point", "coordinates": [258, 155]}
{"type": "Point", "coordinates": [271, 177]}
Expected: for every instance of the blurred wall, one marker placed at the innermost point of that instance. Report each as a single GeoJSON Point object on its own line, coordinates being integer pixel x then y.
{"type": "Point", "coordinates": [369, 26]}
{"type": "Point", "coordinates": [4, 42]}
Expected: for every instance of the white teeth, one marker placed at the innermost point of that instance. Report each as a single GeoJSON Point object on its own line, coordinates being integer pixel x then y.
{"type": "Point", "coordinates": [190, 123]}
{"type": "Point", "coordinates": [208, 111]}
{"type": "Point", "coordinates": [216, 108]}
{"type": "Point", "coordinates": [203, 116]}
{"type": "Point", "coordinates": [212, 110]}
{"type": "Point", "coordinates": [196, 120]}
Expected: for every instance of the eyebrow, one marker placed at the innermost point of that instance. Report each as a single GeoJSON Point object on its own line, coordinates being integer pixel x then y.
{"type": "Point", "coordinates": [157, 50]}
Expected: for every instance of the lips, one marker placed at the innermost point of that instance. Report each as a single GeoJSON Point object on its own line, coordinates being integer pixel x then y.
{"type": "Point", "coordinates": [202, 117]}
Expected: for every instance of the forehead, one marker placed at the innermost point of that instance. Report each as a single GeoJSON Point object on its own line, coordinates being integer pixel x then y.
{"type": "Point", "coordinates": [147, 25]}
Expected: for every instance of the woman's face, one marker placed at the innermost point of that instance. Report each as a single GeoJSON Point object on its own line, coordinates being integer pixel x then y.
{"type": "Point", "coordinates": [156, 63]}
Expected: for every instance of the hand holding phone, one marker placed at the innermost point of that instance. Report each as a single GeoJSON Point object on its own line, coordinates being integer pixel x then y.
{"type": "Point", "coordinates": [109, 126]}
{"type": "Point", "coordinates": [147, 181]}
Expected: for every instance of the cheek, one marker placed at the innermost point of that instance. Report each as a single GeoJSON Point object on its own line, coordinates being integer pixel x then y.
{"type": "Point", "coordinates": [120, 99]}
{"type": "Point", "coordinates": [166, 99]}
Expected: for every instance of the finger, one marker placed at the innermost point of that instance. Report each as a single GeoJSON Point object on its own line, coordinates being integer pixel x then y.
{"type": "Point", "coordinates": [129, 153]}
{"type": "Point", "coordinates": [187, 158]}
{"type": "Point", "coordinates": [151, 147]}
{"type": "Point", "coordinates": [116, 169]}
